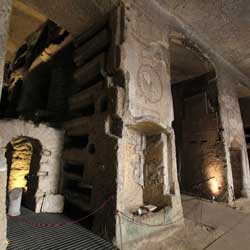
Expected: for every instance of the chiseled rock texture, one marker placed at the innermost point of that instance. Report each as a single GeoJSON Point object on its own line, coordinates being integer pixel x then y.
{"type": "Point", "coordinates": [5, 7]}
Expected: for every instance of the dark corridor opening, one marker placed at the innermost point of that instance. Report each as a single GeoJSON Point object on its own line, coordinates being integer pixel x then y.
{"type": "Point", "coordinates": [199, 147]}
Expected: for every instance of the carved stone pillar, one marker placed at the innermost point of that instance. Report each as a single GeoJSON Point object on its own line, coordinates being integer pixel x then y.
{"type": "Point", "coordinates": [245, 174]}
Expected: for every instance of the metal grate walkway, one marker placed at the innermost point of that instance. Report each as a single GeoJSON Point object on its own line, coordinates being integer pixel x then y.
{"type": "Point", "coordinates": [23, 236]}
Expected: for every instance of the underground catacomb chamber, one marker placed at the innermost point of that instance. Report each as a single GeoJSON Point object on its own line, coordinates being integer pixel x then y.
{"type": "Point", "coordinates": [113, 110]}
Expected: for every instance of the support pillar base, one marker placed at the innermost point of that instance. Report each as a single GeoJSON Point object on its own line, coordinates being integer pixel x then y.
{"type": "Point", "coordinates": [245, 192]}
{"type": "Point", "coordinates": [15, 198]}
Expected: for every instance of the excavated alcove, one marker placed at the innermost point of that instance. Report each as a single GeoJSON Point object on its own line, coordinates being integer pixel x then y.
{"type": "Point", "coordinates": [153, 171]}
{"type": "Point", "coordinates": [154, 166]}
{"type": "Point", "coordinates": [30, 189]}
{"type": "Point", "coordinates": [150, 188]}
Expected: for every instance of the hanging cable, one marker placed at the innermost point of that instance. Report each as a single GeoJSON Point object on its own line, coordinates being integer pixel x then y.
{"type": "Point", "coordinates": [46, 225]}
{"type": "Point", "coordinates": [132, 220]}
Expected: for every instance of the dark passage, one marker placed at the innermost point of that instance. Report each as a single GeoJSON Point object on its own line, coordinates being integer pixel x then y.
{"type": "Point", "coordinates": [200, 154]}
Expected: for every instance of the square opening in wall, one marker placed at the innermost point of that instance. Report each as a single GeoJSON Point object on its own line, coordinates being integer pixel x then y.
{"type": "Point", "coordinates": [155, 166]}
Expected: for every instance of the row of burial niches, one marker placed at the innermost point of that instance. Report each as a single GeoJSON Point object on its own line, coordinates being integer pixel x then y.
{"type": "Point", "coordinates": [59, 96]}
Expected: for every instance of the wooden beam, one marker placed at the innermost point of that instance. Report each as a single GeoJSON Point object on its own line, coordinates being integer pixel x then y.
{"type": "Point", "coordinates": [27, 10]}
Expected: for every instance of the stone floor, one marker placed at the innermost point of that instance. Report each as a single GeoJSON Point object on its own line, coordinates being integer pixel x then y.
{"type": "Point", "coordinates": [208, 226]}
{"type": "Point", "coordinates": [35, 231]}
{"type": "Point", "coordinates": [214, 226]}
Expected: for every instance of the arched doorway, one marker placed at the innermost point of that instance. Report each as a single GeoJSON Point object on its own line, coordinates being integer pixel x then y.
{"type": "Point", "coordinates": [199, 143]}
{"type": "Point", "coordinates": [23, 156]}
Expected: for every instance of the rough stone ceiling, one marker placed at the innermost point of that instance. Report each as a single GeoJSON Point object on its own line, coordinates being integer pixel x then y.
{"type": "Point", "coordinates": [186, 64]}
{"type": "Point", "coordinates": [223, 24]}
{"type": "Point", "coordinates": [24, 20]}
{"type": "Point", "coordinates": [77, 15]}
{"type": "Point", "coordinates": [73, 15]}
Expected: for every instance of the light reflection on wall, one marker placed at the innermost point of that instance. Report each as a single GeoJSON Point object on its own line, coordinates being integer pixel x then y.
{"type": "Point", "coordinates": [20, 163]}
{"type": "Point", "coordinates": [216, 183]}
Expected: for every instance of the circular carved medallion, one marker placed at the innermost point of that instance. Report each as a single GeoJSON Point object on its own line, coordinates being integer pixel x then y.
{"type": "Point", "coordinates": [150, 83]}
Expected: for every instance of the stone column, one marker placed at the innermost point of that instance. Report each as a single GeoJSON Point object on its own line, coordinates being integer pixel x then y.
{"type": "Point", "coordinates": [231, 122]}
{"type": "Point", "coordinates": [15, 198]}
{"type": "Point", "coordinates": [245, 192]}
{"type": "Point", "coordinates": [244, 108]}
{"type": "Point", "coordinates": [5, 8]}
{"type": "Point", "coordinates": [148, 110]}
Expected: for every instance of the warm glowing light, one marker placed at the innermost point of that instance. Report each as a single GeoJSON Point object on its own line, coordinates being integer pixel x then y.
{"type": "Point", "coordinates": [216, 182]}
{"type": "Point", "coordinates": [214, 186]}
{"type": "Point", "coordinates": [20, 163]}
